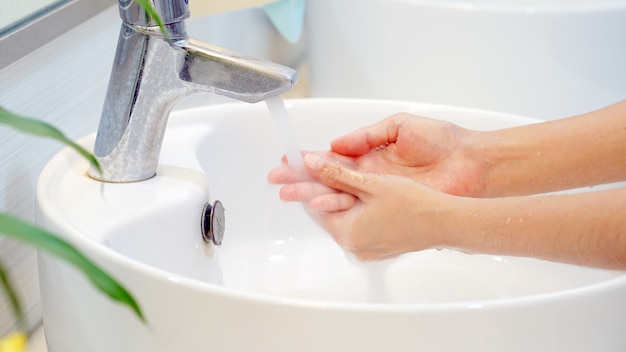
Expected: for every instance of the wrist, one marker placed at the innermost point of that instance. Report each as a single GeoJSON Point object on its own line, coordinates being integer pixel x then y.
{"type": "Point", "coordinates": [505, 163]}
{"type": "Point", "coordinates": [474, 225]}
{"type": "Point", "coordinates": [482, 153]}
{"type": "Point", "coordinates": [459, 227]}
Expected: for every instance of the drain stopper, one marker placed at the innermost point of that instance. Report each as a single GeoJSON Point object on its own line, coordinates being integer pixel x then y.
{"type": "Point", "coordinates": [213, 223]}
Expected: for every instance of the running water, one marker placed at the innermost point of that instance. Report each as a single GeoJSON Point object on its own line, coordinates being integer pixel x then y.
{"type": "Point", "coordinates": [375, 271]}
{"type": "Point", "coordinates": [286, 133]}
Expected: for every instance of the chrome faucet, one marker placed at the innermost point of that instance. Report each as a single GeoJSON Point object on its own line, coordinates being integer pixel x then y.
{"type": "Point", "coordinates": [152, 71]}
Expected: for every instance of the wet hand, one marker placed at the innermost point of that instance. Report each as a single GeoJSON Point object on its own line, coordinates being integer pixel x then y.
{"type": "Point", "coordinates": [384, 215]}
{"type": "Point", "coordinates": [299, 186]}
{"type": "Point", "coordinates": [433, 152]}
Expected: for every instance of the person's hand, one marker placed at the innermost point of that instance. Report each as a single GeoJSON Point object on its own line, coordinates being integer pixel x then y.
{"type": "Point", "coordinates": [436, 153]}
{"type": "Point", "coordinates": [384, 216]}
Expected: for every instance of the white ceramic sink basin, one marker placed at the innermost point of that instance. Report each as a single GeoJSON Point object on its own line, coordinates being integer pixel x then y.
{"type": "Point", "coordinates": [541, 58]}
{"type": "Point", "coordinates": [278, 282]}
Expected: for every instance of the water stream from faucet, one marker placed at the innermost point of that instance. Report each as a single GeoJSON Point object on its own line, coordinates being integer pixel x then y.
{"type": "Point", "coordinates": [287, 135]}
{"type": "Point", "coordinates": [374, 271]}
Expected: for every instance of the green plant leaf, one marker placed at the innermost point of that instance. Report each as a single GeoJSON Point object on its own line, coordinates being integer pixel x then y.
{"type": "Point", "coordinates": [40, 128]}
{"type": "Point", "coordinates": [22, 231]}
{"type": "Point", "coordinates": [14, 299]}
{"type": "Point", "coordinates": [153, 14]}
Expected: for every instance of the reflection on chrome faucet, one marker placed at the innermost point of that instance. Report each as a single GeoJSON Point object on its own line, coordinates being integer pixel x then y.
{"type": "Point", "coordinates": [151, 72]}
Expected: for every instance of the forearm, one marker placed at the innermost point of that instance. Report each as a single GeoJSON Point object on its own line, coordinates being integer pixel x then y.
{"type": "Point", "coordinates": [584, 150]}
{"type": "Point", "coordinates": [583, 228]}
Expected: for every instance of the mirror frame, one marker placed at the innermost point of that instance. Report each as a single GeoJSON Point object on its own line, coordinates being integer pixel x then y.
{"type": "Point", "coordinates": [39, 31]}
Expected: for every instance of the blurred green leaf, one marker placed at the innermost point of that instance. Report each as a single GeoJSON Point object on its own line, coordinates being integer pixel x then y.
{"type": "Point", "coordinates": [40, 128]}
{"type": "Point", "coordinates": [22, 231]}
{"type": "Point", "coordinates": [153, 14]}
{"type": "Point", "coordinates": [43, 240]}
{"type": "Point", "coordinates": [14, 300]}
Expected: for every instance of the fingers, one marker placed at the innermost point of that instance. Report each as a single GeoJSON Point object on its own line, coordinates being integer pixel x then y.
{"type": "Point", "coordinates": [300, 187]}
{"type": "Point", "coordinates": [319, 197]}
{"type": "Point", "coordinates": [332, 202]}
{"type": "Point", "coordinates": [339, 177]}
{"type": "Point", "coordinates": [303, 191]}
{"type": "Point", "coordinates": [286, 174]}
{"type": "Point", "coordinates": [367, 138]}
{"type": "Point", "coordinates": [283, 159]}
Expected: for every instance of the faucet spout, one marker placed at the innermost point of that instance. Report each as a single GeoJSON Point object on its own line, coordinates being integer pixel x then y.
{"type": "Point", "coordinates": [217, 70]}
{"type": "Point", "coordinates": [152, 72]}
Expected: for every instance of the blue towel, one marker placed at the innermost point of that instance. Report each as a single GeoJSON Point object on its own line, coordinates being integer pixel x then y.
{"type": "Point", "coordinates": [288, 18]}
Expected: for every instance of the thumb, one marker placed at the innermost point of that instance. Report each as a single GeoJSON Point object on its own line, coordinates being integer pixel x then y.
{"type": "Point", "coordinates": [367, 138]}
{"type": "Point", "coordinates": [336, 176]}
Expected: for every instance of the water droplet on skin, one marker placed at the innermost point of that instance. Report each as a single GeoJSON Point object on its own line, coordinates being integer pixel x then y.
{"type": "Point", "coordinates": [508, 220]}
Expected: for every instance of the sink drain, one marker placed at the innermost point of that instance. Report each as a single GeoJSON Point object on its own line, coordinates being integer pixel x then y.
{"type": "Point", "coordinates": [213, 223]}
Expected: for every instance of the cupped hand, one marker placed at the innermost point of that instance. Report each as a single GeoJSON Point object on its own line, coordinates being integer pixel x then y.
{"type": "Point", "coordinates": [436, 153]}
{"type": "Point", "coordinates": [433, 152]}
